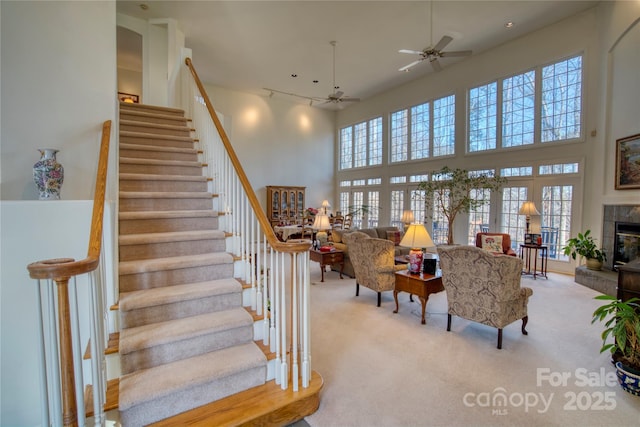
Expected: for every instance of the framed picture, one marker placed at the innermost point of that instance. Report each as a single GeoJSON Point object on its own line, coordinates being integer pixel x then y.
{"type": "Point", "coordinates": [128, 97]}
{"type": "Point", "coordinates": [628, 162]}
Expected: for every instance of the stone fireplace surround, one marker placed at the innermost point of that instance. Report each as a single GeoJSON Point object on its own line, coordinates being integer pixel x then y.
{"type": "Point", "coordinates": [606, 281]}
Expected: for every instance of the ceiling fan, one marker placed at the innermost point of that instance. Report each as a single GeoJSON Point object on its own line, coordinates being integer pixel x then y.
{"type": "Point", "coordinates": [433, 53]}
{"type": "Point", "coordinates": [337, 97]}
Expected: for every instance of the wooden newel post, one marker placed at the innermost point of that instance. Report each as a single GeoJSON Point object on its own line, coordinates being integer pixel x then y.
{"type": "Point", "coordinates": [67, 375]}
{"type": "Point", "coordinates": [60, 270]}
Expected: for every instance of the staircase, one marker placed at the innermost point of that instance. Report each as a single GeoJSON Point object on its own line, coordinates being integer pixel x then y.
{"type": "Point", "coordinates": [186, 342]}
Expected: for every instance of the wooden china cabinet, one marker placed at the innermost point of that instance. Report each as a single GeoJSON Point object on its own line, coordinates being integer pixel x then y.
{"type": "Point", "coordinates": [285, 204]}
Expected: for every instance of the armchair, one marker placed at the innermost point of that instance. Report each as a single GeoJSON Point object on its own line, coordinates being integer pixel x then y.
{"type": "Point", "coordinates": [373, 262]}
{"type": "Point", "coordinates": [506, 242]}
{"type": "Point", "coordinates": [483, 287]}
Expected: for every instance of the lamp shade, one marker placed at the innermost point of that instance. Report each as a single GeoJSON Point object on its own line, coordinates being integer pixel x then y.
{"type": "Point", "coordinates": [528, 208]}
{"type": "Point", "coordinates": [321, 222]}
{"type": "Point", "coordinates": [417, 236]}
{"type": "Point", "coordinates": [407, 217]}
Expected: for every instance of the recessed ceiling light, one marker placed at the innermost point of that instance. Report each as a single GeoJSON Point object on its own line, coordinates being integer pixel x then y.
{"type": "Point", "coordinates": [508, 24]}
{"type": "Point", "coordinates": [294, 75]}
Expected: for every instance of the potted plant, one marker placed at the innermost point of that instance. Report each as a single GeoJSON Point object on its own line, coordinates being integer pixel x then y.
{"type": "Point", "coordinates": [451, 191]}
{"type": "Point", "coordinates": [585, 246]}
{"type": "Point", "coordinates": [622, 322]}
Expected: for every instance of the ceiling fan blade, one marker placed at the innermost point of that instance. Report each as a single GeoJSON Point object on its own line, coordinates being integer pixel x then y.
{"type": "Point", "coordinates": [436, 65]}
{"type": "Point", "coordinates": [348, 99]}
{"type": "Point", "coordinates": [457, 53]}
{"type": "Point", "coordinates": [406, 67]}
{"type": "Point", "coordinates": [337, 94]}
{"type": "Point", "coordinates": [411, 52]}
{"type": "Point", "coordinates": [445, 40]}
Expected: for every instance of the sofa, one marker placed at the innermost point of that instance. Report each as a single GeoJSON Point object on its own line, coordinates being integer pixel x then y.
{"type": "Point", "coordinates": [388, 233]}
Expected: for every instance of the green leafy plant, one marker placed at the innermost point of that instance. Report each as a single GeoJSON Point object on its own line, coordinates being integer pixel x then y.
{"type": "Point", "coordinates": [584, 245]}
{"type": "Point", "coordinates": [450, 189]}
{"type": "Point", "coordinates": [622, 322]}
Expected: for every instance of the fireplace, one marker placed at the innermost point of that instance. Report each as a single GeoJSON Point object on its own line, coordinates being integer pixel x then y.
{"type": "Point", "coordinates": [626, 246]}
{"type": "Point", "coordinates": [620, 234]}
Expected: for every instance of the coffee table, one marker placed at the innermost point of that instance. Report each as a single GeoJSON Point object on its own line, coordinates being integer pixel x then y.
{"type": "Point", "coordinates": [327, 258]}
{"type": "Point", "coordinates": [421, 285]}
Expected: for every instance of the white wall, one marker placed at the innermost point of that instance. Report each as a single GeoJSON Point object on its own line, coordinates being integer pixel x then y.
{"type": "Point", "coordinates": [279, 142]}
{"type": "Point", "coordinates": [621, 61]}
{"type": "Point", "coordinates": [58, 86]}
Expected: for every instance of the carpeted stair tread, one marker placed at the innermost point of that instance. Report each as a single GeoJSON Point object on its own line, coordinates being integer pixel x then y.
{"type": "Point", "coordinates": [165, 195]}
{"type": "Point", "coordinates": [126, 106]}
{"type": "Point", "coordinates": [172, 263]}
{"type": "Point", "coordinates": [156, 177]}
{"type": "Point", "coordinates": [146, 116]}
{"type": "Point", "coordinates": [165, 380]}
{"type": "Point", "coordinates": [170, 294]}
{"type": "Point", "coordinates": [134, 215]}
{"type": "Point", "coordinates": [174, 331]}
{"type": "Point", "coordinates": [141, 147]}
{"type": "Point", "coordinates": [158, 162]}
{"type": "Point", "coordinates": [145, 135]}
{"type": "Point", "coordinates": [157, 126]}
{"type": "Point", "coordinates": [176, 236]}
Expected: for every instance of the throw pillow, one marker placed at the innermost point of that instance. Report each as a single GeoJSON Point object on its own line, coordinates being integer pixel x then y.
{"type": "Point", "coordinates": [492, 244]}
{"type": "Point", "coordinates": [394, 236]}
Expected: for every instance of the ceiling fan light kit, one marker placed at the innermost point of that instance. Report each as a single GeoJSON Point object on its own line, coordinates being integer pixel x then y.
{"type": "Point", "coordinates": [433, 53]}
{"type": "Point", "coordinates": [337, 97]}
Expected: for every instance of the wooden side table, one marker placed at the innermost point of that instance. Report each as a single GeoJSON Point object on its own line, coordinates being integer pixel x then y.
{"type": "Point", "coordinates": [526, 251]}
{"type": "Point", "coordinates": [327, 258]}
{"type": "Point", "coordinates": [421, 285]}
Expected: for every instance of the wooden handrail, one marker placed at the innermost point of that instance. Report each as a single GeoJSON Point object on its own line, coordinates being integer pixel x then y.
{"type": "Point", "coordinates": [67, 267]}
{"type": "Point", "coordinates": [296, 246]}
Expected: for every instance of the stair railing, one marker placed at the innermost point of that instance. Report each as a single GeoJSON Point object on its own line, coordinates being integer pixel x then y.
{"type": "Point", "coordinates": [62, 378]}
{"type": "Point", "coordinates": [278, 272]}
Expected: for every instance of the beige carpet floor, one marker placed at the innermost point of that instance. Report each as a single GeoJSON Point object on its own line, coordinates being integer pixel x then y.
{"type": "Point", "coordinates": [386, 369]}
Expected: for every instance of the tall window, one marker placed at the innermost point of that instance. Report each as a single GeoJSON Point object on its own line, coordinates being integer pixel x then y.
{"type": "Point", "coordinates": [423, 131]}
{"type": "Point", "coordinates": [420, 131]}
{"type": "Point", "coordinates": [483, 106]}
{"type": "Point", "coordinates": [418, 205]}
{"type": "Point", "coordinates": [512, 222]}
{"type": "Point", "coordinates": [361, 144]}
{"type": "Point", "coordinates": [561, 100]}
{"type": "Point", "coordinates": [518, 96]}
{"type": "Point", "coordinates": [444, 125]}
{"type": "Point", "coordinates": [373, 213]}
{"type": "Point", "coordinates": [479, 218]}
{"type": "Point", "coordinates": [397, 207]}
{"type": "Point", "coordinates": [556, 218]}
{"type": "Point", "coordinates": [399, 135]}
{"type": "Point", "coordinates": [439, 222]}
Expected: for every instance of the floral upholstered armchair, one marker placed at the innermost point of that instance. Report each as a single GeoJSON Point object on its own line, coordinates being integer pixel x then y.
{"type": "Point", "coordinates": [373, 262]}
{"type": "Point", "coordinates": [483, 287]}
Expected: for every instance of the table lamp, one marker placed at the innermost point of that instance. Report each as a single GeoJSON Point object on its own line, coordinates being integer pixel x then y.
{"type": "Point", "coordinates": [321, 223]}
{"type": "Point", "coordinates": [528, 209]}
{"type": "Point", "coordinates": [416, 237]}
{"type": "Point", "coordinates": [407, 218]}
{"type": "Point", "coordinates": [325, 206]}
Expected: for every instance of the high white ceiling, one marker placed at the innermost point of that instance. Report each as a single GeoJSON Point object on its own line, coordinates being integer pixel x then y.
{"type": "Point", "coordinates": [249, 45]}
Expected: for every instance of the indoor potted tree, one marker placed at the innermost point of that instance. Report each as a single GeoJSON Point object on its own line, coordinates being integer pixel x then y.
{"type": "Point", "coordinates": [622, 323]}
{"type": "Point", "coordinates": [451, 192]}
{"type": "Point", "coordinates": [585, 246]}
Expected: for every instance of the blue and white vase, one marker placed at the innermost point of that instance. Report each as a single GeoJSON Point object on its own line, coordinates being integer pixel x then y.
{"type": "Point", "coordinates": [48, 174]}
